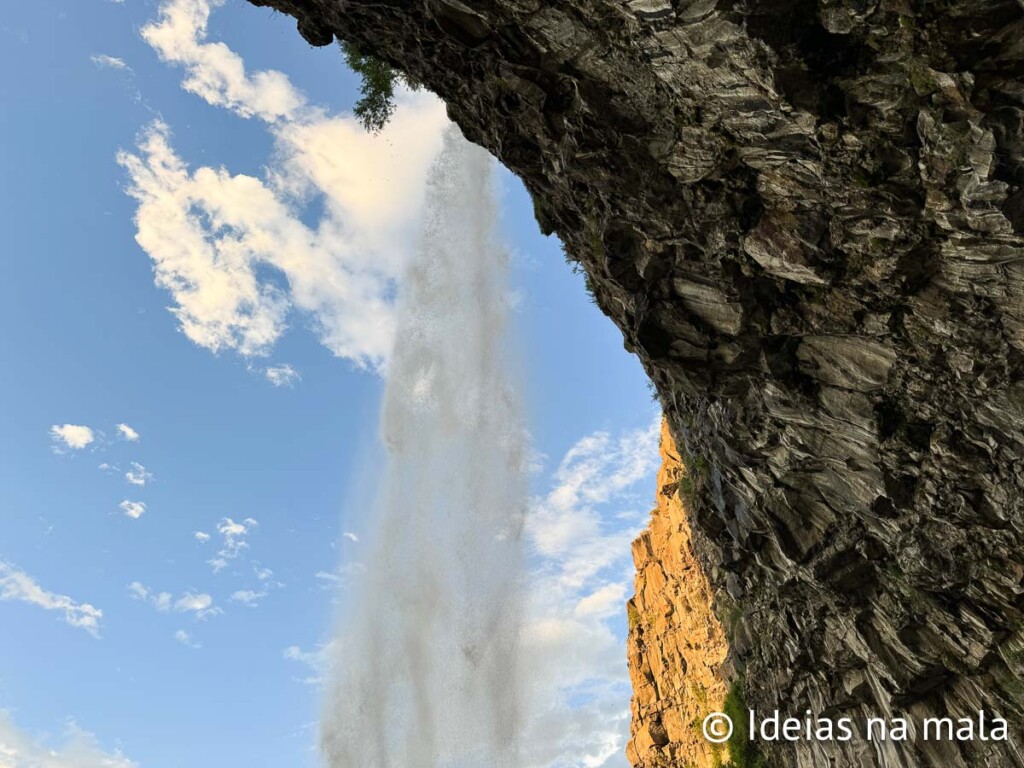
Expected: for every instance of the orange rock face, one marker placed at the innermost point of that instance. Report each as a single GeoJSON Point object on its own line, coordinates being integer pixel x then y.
{"type": "Point", "coordinates": [676, 643]}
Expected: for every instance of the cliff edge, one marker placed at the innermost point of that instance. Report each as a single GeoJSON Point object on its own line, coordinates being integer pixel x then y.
{"type": "Point", "coordinates": [677, 648]}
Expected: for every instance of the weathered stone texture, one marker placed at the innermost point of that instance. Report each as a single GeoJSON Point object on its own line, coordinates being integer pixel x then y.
{"type": "Point", "coordinates": [806, 218]}
{"type": "Point", "coordinates": [677, 648]}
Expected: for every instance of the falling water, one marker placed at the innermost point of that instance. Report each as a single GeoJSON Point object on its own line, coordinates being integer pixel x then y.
{"type": "Point", "coordinates": [426, 671]}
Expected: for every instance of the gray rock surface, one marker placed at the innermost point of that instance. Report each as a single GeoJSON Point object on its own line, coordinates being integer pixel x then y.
{"type": "Point", "coordinates": [806, 218]}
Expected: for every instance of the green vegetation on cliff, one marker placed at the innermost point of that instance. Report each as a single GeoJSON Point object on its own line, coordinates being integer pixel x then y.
{"type": "Point", "coordinates": [376, 103]}
{"type": "Point", "coordinates": [743, 752]}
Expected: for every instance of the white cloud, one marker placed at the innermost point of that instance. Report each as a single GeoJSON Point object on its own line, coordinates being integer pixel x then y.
{"type": "Point", "coordinates": [103, 61]}
{"type": "Point", "coordinates": [185, 639]}
{"type": "Point", "coordinates": [252, 598]}
{"type": "Point", "coordinates": [201, 536]}
{"type": "Point", "coordinates": [199, 605]}
{"type": "Point", "coordinates": [221, 304]}
{"type": "Point", "coordinates": [127, 433]}
{"type": "Point", "coordinates": [351, 536]}
{"type": "Point", "coordinates": [248, 597]}
{"type": "Point", "coordinates": [215, 72]}
{"type": "Point", "coordinates": [138, 474]}
{"type": "Point", "coordinates": [282, 375]}
{"type": "Point", "coordinates": [318, 661]}
{"type": "Point", "coordinates": [234, 251]}
{"type": "Point", "coordinates": [342, 576]}
{"type": "Point", "coordinates": [160, 600]}
{"type": "Point", "coordinates": [73, 436]}
{"type": "Point", "coordinates": [138, 591]}
{"type": "Point", "coordinates": [594, 471]}
{"type": "Point", "coordinates": [233, 541]}
{"type": "Point", "coordinates": [603, 602]}
{"type": "Point", "coordinates": [295, 653]}
{"type": "Point", "coordinates": [580, 532]}
{"type": "Point", "coordinates": [230, 529]}
{"type": "Point", "coordinates": [79, 749]}
{"type": "Point", "coordinates": [133, 509]}
{"type": "Point", "coordinates": [18, 585]}
{"type": "Point", "coordinates": [190, 602]}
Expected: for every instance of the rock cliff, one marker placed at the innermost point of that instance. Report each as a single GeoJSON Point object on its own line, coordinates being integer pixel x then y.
{"type": "Point", "coordinates": [677, 648]}
{"type": "Point", "coordinates": [806, 218]}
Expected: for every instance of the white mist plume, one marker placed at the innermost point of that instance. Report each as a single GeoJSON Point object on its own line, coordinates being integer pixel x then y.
{"type": "Point", "coordinates": [426, 672]}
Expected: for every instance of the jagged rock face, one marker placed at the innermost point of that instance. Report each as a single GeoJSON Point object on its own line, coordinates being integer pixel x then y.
{"type": "Point", "coordinates": [677, 648]}
{"type": "Point", "coordinates": [806, 217]}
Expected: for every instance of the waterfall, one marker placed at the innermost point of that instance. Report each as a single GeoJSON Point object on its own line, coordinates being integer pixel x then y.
{"type": "Point", "coordinates": [425, 672]}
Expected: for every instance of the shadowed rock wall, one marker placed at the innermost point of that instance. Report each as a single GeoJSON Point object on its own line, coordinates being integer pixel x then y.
{"type": "Point", "coordinates": [806, 217]}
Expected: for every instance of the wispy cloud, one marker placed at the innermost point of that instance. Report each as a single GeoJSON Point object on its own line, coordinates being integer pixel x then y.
{"type": "Point", "coordinates": [18, 585]}
{"type": "Point", "coordinates": [162, 601]}
{"type": "Point", "coordinates": [132, 509]}
{"type": "Point", "coordinates": [580, 532]}
{"type": "Point", "coordinates": [282, 375]}
{"type": "Point", "coordinates": [103, 61]}
{"type": "Point", "coordinates": [79, 749]}
{"type": "Point", "coordinates": [200, 605]}
{"type": "Point", "coordinates": [599, 468]}
{"type": "Point", "coordinates": [186, 639]}
{"type": "Point", "coordinates": [234, 534]}
{"type": "Point", "coordinates": [201, 536]}
{"type": "Point", "coordinates": [248, 597]}
{"type": "Point", "coordinates": [221, 243]}
{"type": "Point", "coordinates": [71, 436]}
{"type": "Point", "coordinates": [341, 576]}
{"type": "Point", "coordinates": [233, 541]}
{"type": "Point", "coordinates": [267, 584]}
{"type": "Point", "coordinates": [318, 661]}
{"type": "Point", "coordinates": [138, 474]}
{"type": "Point", "coordinates": [215, 72]}
{"type": "Point", "coordinates": [127, 433]}
{"type": "Point", "coordinates": [351, 536]}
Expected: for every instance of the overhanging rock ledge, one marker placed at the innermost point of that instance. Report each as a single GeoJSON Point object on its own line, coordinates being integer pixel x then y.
{"type": "Point", "coordinates": [806, 218]}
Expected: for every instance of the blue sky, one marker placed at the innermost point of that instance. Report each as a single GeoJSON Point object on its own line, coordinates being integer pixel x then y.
{"type": "Point", "coordinates": [202, 246]}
